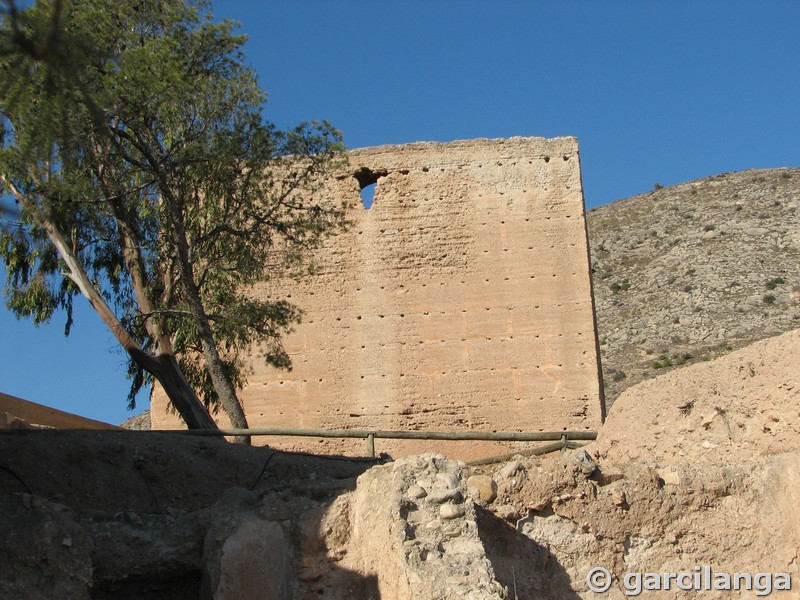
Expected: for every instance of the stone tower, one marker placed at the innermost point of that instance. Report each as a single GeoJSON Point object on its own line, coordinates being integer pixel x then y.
{"type": "Point", "coordinates": [461, 300]}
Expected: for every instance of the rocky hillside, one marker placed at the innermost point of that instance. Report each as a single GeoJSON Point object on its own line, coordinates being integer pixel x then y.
{"type": "Point", "coordinates": [687, 273]}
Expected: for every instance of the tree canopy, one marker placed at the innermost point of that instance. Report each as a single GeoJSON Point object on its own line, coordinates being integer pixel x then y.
{"type": "Point", "coordinates": [133, 142]}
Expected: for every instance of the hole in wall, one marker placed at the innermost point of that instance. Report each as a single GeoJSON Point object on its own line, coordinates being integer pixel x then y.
{"type": "Point", "coordinates": [368, 196]}
{"type": "Point", "coordinates": [367, 183]}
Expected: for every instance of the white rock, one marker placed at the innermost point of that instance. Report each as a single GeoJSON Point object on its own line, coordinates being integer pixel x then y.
{"type": "Point", "coordinates": [451, 511]}
{"type": "Point", "coordinates": [416, 491]}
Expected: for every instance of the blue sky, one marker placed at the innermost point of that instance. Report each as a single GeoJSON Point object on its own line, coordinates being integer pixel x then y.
{"type": "Point", "coordinates": [659, 92]}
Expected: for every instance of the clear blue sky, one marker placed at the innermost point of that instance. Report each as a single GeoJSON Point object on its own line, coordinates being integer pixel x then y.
{"type": "Point", "coordinates": [654, 91]}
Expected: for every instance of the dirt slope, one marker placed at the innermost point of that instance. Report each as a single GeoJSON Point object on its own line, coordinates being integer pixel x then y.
{"type": "Point", "coordinates": [741, 406]}
{"type": "Point", "coordinates": [695, 467]}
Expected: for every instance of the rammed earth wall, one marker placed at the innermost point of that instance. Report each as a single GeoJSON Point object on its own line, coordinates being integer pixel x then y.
{"type": "Point", "coordinates": [460, 301]}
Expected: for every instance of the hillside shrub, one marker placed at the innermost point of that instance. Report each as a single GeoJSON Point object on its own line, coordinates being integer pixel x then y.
{"type": "Point", "coordinates": [775, 282]}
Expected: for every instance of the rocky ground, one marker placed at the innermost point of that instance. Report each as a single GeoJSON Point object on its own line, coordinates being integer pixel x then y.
{"type": "Point", "coordinates": [146, 515]}
{"type": "Point", "coordinates": [696, 467]}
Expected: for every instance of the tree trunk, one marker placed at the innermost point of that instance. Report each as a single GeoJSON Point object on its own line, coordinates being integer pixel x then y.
{"type": "Point", "coordinates": [167, 371]}
{"type": "Point", "coordinates": [163, 367]}
{"type": "Point", "coordinates": [214, 364]}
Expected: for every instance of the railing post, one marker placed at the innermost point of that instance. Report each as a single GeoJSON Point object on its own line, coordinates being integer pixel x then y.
{"type": "Point", "coordinates": [371, 445]}
{"type": "Point", "coordinates": [563, 444]}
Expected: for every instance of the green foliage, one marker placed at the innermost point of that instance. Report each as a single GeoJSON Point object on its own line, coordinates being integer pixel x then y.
{"type": "Point", "coordinates": [111, 115]}
{"type": "Point", "coordinates": [682, 359]}
{"type": "Point", "coordinates": [658, 186]}
{"type": "Point", "coordinates": [769, 298]}
{"type": "Point", "coordinates": [662, 363]}
{"type": "Point", "coordinates": [617, 287]}
{"type": "Point", "coordinates": [676, 360]}
{"type": "Point", "coordinates": [775, 282]}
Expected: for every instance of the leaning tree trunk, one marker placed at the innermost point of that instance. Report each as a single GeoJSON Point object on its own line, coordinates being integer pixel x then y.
{"type": "Point", "coordinates": [163, 367]}
{"type": "Point", "coordinates": [167, 371]}
{"type": "Point", "coordinates": [214, 364]}
{"type": "Point", "coordinates": [177, 230]}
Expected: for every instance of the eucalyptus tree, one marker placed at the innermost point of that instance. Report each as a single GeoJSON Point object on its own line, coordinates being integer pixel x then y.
{"type": "Point", "coordinates": [146, 179]}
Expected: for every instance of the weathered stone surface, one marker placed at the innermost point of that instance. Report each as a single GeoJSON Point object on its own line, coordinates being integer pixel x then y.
{"type": "Point", "coordinates": [506, 511]}
{"type": "Point", "coordinates": [607, 475]}
{"type": "Point", "coordinates": [511, 469]}
{"type": "Point", "coordinates": [255, 563]}
{"type": "Point", "coordinates": [460, 301]}
{"type": "Point", "coordinates": [148, 546]}
{"type": "Point", "coordinates": [440, 496]}
{"type": "Point", "coordinates": [416, 550]}
{"type": "Point", "coordinates": [415, 491]}
{"type": "Point", "coordinates": [618, 497]}
{"type": "Point", "coordinates": [244, 557]}
{"type": "Point", "coordinates": [669, 476]}
{"type": "Point", "coordinates": [43, 552]}
{"type": "Point", "coordinates": [485, 488]}
{"type": "Point", "coordinates": [585, 462]}
{"type": "Point", "coordinates": [451, 511]}
{"type": "Point", "coordinates": [449, 480]}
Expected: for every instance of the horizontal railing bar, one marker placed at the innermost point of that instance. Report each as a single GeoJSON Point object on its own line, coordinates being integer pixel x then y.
{"type": "Point", "coordinates": [546, 449]}
{"type": "Point", "coordinates": [511, 436]}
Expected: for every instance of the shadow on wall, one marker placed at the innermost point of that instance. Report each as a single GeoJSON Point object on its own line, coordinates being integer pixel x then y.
{"type": "Point", "coordinates": [525, 568]}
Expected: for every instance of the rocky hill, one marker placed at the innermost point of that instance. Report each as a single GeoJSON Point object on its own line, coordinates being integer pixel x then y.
{"type": "Point", "coordinates": [686, 273]}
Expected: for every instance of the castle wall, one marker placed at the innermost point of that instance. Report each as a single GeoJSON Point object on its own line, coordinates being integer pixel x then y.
{"type": "Point", "coordinates": [460, 301]}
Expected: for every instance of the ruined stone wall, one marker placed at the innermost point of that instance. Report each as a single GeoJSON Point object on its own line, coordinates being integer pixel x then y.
{"type": "Point", "coordinates": [460, 301]}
